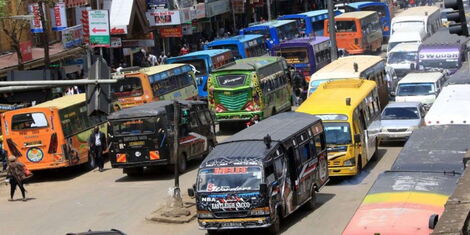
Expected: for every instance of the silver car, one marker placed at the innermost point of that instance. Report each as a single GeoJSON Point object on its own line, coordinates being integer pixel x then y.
{"type": "Point", "coordinates": [399, 119]}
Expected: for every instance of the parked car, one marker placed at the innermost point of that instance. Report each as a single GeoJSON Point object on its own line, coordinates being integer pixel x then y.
{"type": "Point", "coordinates": [399, 119]}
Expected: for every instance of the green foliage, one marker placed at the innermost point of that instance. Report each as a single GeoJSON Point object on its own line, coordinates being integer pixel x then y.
{"type": "Point", "coordinates": [3, 8]}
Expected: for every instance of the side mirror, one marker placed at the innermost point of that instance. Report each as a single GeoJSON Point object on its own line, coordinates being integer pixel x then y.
{"type": "Point", "coordinates": [191, 191]}
{"type": "Point", "coordinates": [357, 138]}
{"type": "Point", "coordinates": [263, 189]}
{"type": "Point", "coordinates": [392, 93]}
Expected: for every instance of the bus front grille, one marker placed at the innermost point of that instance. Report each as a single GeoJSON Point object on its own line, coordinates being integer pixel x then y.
{"type": "Point", "coordinates": [233, 101]}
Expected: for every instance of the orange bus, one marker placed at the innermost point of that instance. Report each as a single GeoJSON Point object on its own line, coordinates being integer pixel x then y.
{"type": "Point", "coordinates": [52, 134]}
{"type": "Point", "coordinates": [163, 82]}
{"type": "Point", "coordinates": [358, 32]}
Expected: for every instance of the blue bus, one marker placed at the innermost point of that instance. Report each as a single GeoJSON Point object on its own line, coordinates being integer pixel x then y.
{"type": "Point", "coordinates": [242, 46]}
{"type": "Point", "coordinates": [204, 62]}
{"type": "Point", "coordinates": [382, 10]}
{"type": "Point", "coordinates": [310, 23]}
{"type": "Point", "coordinates": [274, 31]}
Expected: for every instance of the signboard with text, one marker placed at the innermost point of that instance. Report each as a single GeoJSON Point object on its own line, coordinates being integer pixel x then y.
{"type": "Point", "coordinates": [217, 8]}
{"type": "Point", "coordinates": [58, 17]}
{"type": "Point", "coordinates": [36, 24]}
{"type": "Point", "coordinates": [72, 36]}
{"type": "Point", "coordinates": [26, 49]}
{"type": "Point", "coordinates": [171, 32]}
{"type": "Point", "coordinates": [163, 17]}
{"type": "Point", "coordinates": [99, 28]}
{"type": "Point", "coordinates": [198, 11]}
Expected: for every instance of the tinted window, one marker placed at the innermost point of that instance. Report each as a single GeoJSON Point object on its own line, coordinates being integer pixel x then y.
{"type": "Point", "coordinates": [127, 87]}
{"type": "Point", "coordinates": [394, 113]}
{"type": "Point", "coordinates": [231, 80]}
{"type": "Point", "coordinates": [346, 26]}
{"type": "Point", "coordinates": [28, 121]}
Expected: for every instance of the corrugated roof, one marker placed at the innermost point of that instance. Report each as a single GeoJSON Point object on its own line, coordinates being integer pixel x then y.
{"type": "Point", "coordinates": [149, 109]}
{"type": "Point", "coordinates": [64, 101]}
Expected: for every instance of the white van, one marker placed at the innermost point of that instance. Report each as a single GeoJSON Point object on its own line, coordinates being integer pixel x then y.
{"type": "Point", "coordinates": [402, 56]}
{"type": "Point", "coordinates": [451, 107]}
{"type": "Point", "coordinates": [420, 87]}
{"type": "Point", "coordinates": [405, 37]}
{"type": "Point", "coordinates": [424, 18]}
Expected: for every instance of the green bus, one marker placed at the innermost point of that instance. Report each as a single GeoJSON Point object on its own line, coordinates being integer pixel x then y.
{"type": "Point", "coordinates": [252, 86]}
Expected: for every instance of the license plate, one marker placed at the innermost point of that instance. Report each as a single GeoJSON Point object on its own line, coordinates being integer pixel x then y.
{"type": "Point", "coordinates": [231, 224]}
{"type": "Point", "coordinates": [137, 143]}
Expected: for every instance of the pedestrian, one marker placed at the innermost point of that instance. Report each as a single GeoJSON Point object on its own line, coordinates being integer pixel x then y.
{"type": "Point", "coordinates": [184, 50]}
{"type": "Point", "coordinates": [16, 175]}
{"type": "Point", "coordinates": [412, 3]}
{"type": "Point", "coordinates": [98, 144]}
{"type": "Point", "coordinates": [152, 59]}
{"type": "Point", "coordinates": [3, 157]}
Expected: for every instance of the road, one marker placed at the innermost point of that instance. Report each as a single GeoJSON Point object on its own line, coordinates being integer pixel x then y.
{"type": "Point", "coordinates": [73, 201]}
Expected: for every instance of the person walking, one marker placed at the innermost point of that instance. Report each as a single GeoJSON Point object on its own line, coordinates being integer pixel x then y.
{"type": "Point", "coordinates": [98, 144]}
{"type": "Point", "coordinates": [16, 176]}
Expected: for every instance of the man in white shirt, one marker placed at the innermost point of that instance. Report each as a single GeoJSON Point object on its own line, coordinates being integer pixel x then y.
{"type": "Point", "coordinates": [98, 145]}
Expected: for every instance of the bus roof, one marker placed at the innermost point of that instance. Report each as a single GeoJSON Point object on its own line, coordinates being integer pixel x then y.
{"type": "Point", "coordinates": [452, 106]}
{"type": "Point", "coordinates": [418, 11]}
{"type": "Point", "coordinates": [63, 102]}
{"type": "Point", "coordinates": [159, 68]}
{"type": "Point", "coordinates": [308, 40]}
{"type": "Point", "coordinates": [421, 77]}
{"type": "Point", "coordinates": [434, 149]}
{"type": "Point", "coordinates": [460, 76]}
{"type": "Point", "coordinates": [330, 97]}
{"type": "Point", "coordinates": [272, 23]}
{"type": "Point", "coordinates": [249, 64]}
{"type": "Point", "coordinates": [406, 46]}
{"type": "Point", "coordinates": [149, 109]}
{"type": "Point", "coordinates": [210, 53]}
{"type": "Point", "coordinates": [359, 5]}
{"type": "Point", "coordinates": [315, 15]}
{"type": "Point", "coordinates": [344, 67]}
{"type": "Point", "coordinates": [355, 14]}
{"type": "Point", "coordinates": [250, 141]}
{"type": "Point", "coordinates": [442, 36]}
{"type": "Point", "coordinates": [238, 38]}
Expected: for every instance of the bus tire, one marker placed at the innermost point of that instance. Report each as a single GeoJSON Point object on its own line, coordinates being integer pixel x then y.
{"type": "Point", "coordinates": [359, 164]}
{"type": "Point", "coordinates": [134, 171]}
{"type": "Point", "coordinates": [310, 204]}
{"type": "Point", "coordinates": [182, 163]}
{"type": "Point", "coordinates": [275, 227]}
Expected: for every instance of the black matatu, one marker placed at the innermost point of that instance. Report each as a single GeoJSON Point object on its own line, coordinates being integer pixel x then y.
{"type": "Point", "coordinates": [142, 136]}
{"type": "Point", "coordinates": [262, 174]}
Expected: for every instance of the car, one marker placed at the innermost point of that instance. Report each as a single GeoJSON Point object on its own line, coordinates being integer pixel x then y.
{"type": "Point", "coordinates": [399, 119]}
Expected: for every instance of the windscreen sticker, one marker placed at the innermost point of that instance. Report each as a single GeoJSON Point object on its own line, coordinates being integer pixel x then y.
{"type": "Point", "coordinates": [230, 170]}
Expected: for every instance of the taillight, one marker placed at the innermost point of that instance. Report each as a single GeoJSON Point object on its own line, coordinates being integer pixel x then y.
{"type": "Point", "coordinates": [13, 149]}
{"type": "Point", "coordinates": [154, 155]}
{"type": "Point", "coordinates": [53, 144]}
{"type": "Point", "coordinates": [121, 157]}
{"type": "Point", "coordinates": [220, 108]}
{"type": "Point", "coordinates": [386, 28]}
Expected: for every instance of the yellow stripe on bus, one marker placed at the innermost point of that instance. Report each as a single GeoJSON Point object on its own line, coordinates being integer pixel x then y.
{"type": "Point", "coordinates": [409, 197]}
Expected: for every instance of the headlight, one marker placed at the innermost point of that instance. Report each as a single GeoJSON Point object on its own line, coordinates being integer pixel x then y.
{"type": "Point", "coordinates": [260, 211]}
{"type": "Point", "coordinates": [350, 162]}
{"type": "Point", "coordinates": [205, 214]}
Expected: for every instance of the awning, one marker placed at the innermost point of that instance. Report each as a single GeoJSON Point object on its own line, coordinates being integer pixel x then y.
{"type": "Point", "coordinates": [120, 16]}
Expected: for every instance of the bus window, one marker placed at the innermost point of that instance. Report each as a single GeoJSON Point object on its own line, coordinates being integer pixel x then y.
{"type": "Point", "coordinates": [337, 133]}
{"type": "Point", "coordinates": [233, 48]}
{"type": "Point", "coordinates": [295, 55]}
{"type": "Point", "coordinates": [27, 121]}
{"type": "Point", "coordinates": [264, 32]}
{"type": "Point", "coordinates": [287, 31]}
{"type": "Point", "coordinates": [129, 86]}
{"type": "Point", "coordinates": [346, 26]}
{"type": "Point", "coordinates": [134, 127]}
{"type": "Point", "coordinates": [162, 87]}
{"type": "Point", "coordinates": [255, 51]}
{"type": "Point", "coordinates": [200, 65]}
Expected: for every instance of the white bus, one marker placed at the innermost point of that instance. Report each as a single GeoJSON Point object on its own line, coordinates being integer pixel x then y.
{"type": "Point", "coordinates": [425, 18]}
{"type": "Point", "coordinates": [452, 106]}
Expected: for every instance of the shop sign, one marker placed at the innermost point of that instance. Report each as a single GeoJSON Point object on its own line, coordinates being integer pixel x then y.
{"type": "Point", "coordinates": [116, 42]}
{"type": "Point", "coordinates": [159, 17]}
{"type": "Point", "coordinates": [138, 43]}
{"type": "Point", "coordinates": [99, 28]}
{"type": "Point", "coordinates": [238, 6]}
{"type": "Point", "coordinates": [187, 29]}
{"type": "Point", "coordinates": [58, 17]}
{"type": "Point", "coordinates": [36, 24]}
{"type": "Point", "coordinates": [257, 3]}
{"type": "Point", "coordinates": [26, 49]}
{"type": "Point", "coordinates": [72, 36]}
{"type": "Point", "coordinates": [171, 32]}
{"type": "Point", "coordinates": [198, 11]}
{"type": "Point", "coordinates": [217, 8]}
{"type": "Point", "coordinates": [75, 3]}
{"type": "Point", "coordinates": [186, 15]}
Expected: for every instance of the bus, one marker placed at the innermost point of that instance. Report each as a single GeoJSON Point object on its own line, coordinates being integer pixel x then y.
{"type": "Point", "coordinates": [421, 180]}
{"type": "Point", "coordinates": [310, 23]}
{"type": "Point", "coordinates": [162, 82]}
{"type": "Point", "coordinates": [350, 111]}
{"type": "Point", "coordinates": [307, 55]}
{"type": "Point", "coordinates": [262, 174]}
{"type": "Point", "coordinates": [359, 67]}
{"type": "Point", "coordinates": [425, 19]}
{"type": "Point", "coordinates": [382, 10]}
{"type": "Point", "coordinates": [358, 32]}
{"type": "Point", "coordinates": [451, 107]}
{"type": "Point", "coordinates": [253, 86]}
{"type": "Point", "coordinates": [52, 134]}
{"type": "Point", "coordinates": [242, 46]}
{"type": "Point", "coordinates": [274, 31]}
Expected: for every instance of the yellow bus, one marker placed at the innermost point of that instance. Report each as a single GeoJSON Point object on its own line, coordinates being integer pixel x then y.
{"type": "Point", "coordinates": [358, 66]}
{"type": "Point", "coordinates": [350, 110]}
{"type": "Point", "coordinates": [162, 82]}
{"type": "Point", "coordinates": [52, 134]}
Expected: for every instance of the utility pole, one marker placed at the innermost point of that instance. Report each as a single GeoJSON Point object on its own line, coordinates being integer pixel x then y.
{"type": "Point", "coordinates": [45, 33]}
{"type": "Point", "coordinates": [175, 146]}
{"type": "Point", "coordinates": [332, 30]}
{"type": "Point", "coordinates": [268, 4]}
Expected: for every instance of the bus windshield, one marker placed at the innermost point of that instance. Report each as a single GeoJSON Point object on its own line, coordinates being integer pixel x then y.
{"type": "Point", "coordinates": [287, 31]}
{"type": "Point", "coordinates": [27, 121]}
{"type": "Point", "coordinates": [127, 87]}
{"type": "Point", "coordinates": [232, 47]}
{"type": "Point", "coordinates": [295, 55]}
{"type": "Point", "coordinates": [200, 65]}
{"type": "Point", "coordinates": [402, 57]}
{"type": "Point", "coordinates": [225, 179]}
{"type": "Point", "coordinates": [264, 32]}
{"type": "Point", "coordinates": [408, 26]}
{"type": "Point", "coordinates": [337, 133]}
{"type": "Point", "coordinates": [134, 126]}
{"type": "Point", "coordinates": [415, 89]}
{"type": "Point", "coordinates": [346, 26]}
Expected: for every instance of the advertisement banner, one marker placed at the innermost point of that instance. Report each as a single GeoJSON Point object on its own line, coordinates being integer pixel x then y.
{"type": "Point", "coordinates": [26, 49]}
{"type": "Point", "coordinates": [171, 32]}
{"type": "Point", "coordinates": [116, 42]}
{"type": "Point", "coordinates": [198, 11]}
{"type": "Point", "coordinates": [186, 16]}
{"type": "Point", "coordinates": [58, 17]}
{"type": "Point", "coordinates": [99, 28]}
{"type": "Point", "coordinates": [36, 24]}
{"type": "Point", "coordinates": [238, 6]}
{"type": "Point", "coordinates": [163, 17]}
{"type": "Point", "coordinates": [217, 8]}
{"type": "Point", "coordinates": [75, 3]}
{"type": "Point", "coordinates": [72, 36]}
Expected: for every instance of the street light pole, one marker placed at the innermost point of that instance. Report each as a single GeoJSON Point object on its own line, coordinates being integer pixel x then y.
{"type": "Point", "coordinates": [268, 4]}
{"type": "Point", "coordinates": [332, 30]}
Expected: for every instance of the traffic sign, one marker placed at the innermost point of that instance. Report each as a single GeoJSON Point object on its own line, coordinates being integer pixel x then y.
{"type": "Point", "coordinates": [99, 28]}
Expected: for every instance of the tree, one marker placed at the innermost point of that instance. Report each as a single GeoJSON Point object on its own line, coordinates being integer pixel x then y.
{"type": "Point", "coordinates": [14, 28]}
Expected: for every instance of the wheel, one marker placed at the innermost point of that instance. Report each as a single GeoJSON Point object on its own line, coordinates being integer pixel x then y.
{"type": "Point", "coordinates": [359, 164]}
{"type": "Point", "coordinates": [134, 172]}
{"type": "Point", "coordinates": [182, 163]}
{"type": "Point", "coordinates": [310, 205]}
{"type": "Point", "coordinates": [275, 227]}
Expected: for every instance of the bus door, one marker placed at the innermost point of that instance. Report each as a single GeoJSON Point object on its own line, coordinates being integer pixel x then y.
{"type": "Point", "coordinates": [304, 159]}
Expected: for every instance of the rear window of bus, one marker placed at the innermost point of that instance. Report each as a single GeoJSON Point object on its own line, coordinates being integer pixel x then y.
{"type": "Point", "coordinates": [127, 87]}
{"type": "Point", "coordinates": [26, 121]}
{"type": "Point", "coordinates": [346, 26]}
